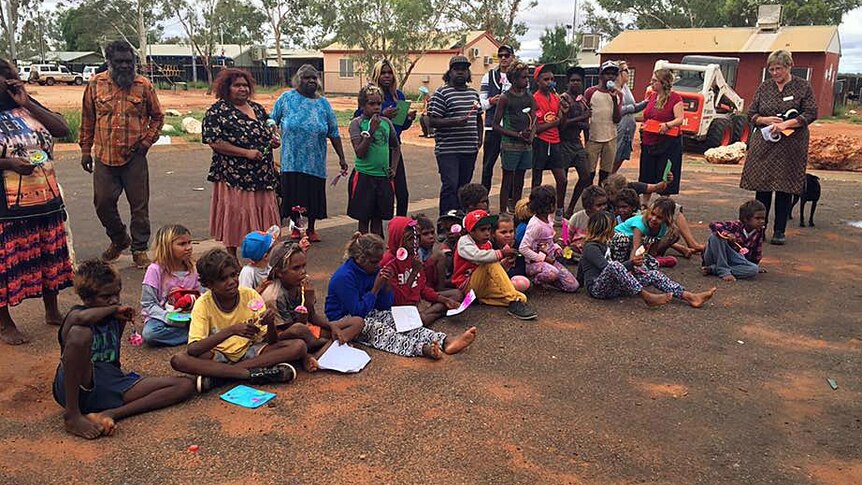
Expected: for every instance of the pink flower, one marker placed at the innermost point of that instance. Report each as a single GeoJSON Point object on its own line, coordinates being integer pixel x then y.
{"type": "Point", "coordinates": [135, 339]}
{"type": "Point", "coordinates": [256, 305]}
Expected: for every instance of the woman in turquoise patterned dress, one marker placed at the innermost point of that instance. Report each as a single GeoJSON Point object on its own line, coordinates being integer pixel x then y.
{"type": "Point", "coordinates": [306, 120]}
{"type": "Point", "coordinates": [34, 257]}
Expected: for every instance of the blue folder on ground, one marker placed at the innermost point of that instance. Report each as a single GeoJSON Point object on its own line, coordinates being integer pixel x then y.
{"type": "Point", "coordinates": [247, 397]}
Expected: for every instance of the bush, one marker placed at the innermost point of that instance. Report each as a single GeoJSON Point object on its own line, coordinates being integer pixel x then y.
{"type": "Point", "coordinates": [73, 119]}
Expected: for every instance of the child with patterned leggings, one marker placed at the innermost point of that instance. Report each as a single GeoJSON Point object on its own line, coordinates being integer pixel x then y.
{"type": "Point", "coordinates": [538, 246]}
{"type": "Point", "coordinates": [606, 279]}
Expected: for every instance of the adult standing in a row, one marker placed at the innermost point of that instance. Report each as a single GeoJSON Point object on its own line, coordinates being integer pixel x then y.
{"type": "Point", "coordinates": [34, 258]}
{"type": "Point", "coordinates": [786, 104]}
{"type": "Point", "coordinates": [665, 109]}
{"type": "Point", "coordinates": [627, 125]}
{"type": "Point", "coordinates": [604, 101]}
{"type": "Point", "coordinates": [242, 169]}
{"type": "Point", "coordinates": [383, 75]}
{"type": "Point", "coordinates": [494, 83]}
{"type": "Point", "coordinates": [306, 120]}
{"type": "Point", "coordinates": [121, 118]}
{"type": "Point", "coordinates": [457, 117]}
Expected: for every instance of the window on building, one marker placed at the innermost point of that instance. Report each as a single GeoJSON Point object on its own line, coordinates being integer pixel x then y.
{"type": "Point", "coordinates": [801, 72]}
{"type": "Point", "coordinates": [345, 68]}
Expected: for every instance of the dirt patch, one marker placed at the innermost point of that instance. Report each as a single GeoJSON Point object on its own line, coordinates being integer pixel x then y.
{"type": "Point", "coordinates": [835, 152]}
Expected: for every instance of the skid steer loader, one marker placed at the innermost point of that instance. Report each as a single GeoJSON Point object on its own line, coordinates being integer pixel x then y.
{"type": "Point", "coordinates": [714, 112]}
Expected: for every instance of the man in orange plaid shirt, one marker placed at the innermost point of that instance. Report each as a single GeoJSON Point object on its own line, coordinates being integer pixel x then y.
{"type": "Point", "coordinates": [120, 120]}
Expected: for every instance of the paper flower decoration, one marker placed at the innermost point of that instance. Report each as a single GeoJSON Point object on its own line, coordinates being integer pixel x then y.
{"type": "Point", "coordinates": [455, 229]}
{"type": "Point", "coordinates": [135, 339]}
{"type": "Point", "coordinates": [38, 157]}
{"type": "Point", "coordinates": [301, 309]}
{"type": "Point", "coordinates": [743, 251]}
{"type": "Point", "coordinates": [401, 254]}
{"type": "Point", "coordinates": [256, 305]}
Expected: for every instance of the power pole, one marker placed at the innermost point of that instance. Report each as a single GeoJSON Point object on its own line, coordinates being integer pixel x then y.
{"type": "Point", "coordinates": [10, 30]}
{"type": "Point", "coordinates": [142, 35]}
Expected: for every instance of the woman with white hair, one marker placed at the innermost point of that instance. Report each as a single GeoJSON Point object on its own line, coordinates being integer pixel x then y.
{"type": "Point", "coordinates": [782, 108]}
{"type": "Point", "coordinates": [306, 120]}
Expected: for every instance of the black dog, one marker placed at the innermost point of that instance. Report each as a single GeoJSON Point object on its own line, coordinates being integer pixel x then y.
{"type": "Point", "coordinates": [810, 193]}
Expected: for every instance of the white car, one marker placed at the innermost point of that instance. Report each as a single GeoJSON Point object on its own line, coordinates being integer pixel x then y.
{"type": "Point", "coordinates": [51, 74]}
{"type": "Point", "coordinates": [24, 73]}
{"type": "Point", "coordinates": [89, 71]}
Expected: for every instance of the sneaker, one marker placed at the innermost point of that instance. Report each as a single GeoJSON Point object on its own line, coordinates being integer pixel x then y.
{"type": "Point", "coordinates": [279, 373]}
{"type": "Point", "coordinates": [520, 310]}
{"type": "Point", "coordinates": [778, 239]}
{"type": "Point", "coordinates": [295, 235]}
{"type": "Point", "coordinates": [666, 261]}
{"type": "Point", "coordinates": [204, 384]}
{"type": "Point", "coordinates": [313, 236]}
{"type": "Point", "coordinates": [141, 260]}
{"type": "Point", "coordinates": [116, 249]}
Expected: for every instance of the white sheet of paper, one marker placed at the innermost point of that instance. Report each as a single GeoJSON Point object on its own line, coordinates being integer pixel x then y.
{"type": "Point", "coordinates": [343, 358]}
{"type": "Point", "coordinates": [468, 300]}
{"type": "Point", "coordinates": [406, 318]}
{"type": "Point", "coordinates": [767, 134]}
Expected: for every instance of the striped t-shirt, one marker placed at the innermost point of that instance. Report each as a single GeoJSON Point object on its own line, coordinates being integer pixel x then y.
{"type": "Point", "coordinates": [448, 102]}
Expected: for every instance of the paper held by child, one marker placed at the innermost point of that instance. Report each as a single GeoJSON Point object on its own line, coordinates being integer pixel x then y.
{"type": "Point", "coordinates": [247, 397]}
{"type": "Point", "coordinates": [468, 300]}
{"type": "Point", "coordinates": [403, 108]}
{"type": "Point", "coordinates": [406, 318]}
{"type": "Point", "coordinates": [667, 169]}
{"type": "Point", "coordinates": [343, 358]}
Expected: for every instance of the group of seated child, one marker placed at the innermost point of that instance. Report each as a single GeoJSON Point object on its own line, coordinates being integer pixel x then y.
{"type": "Point", "coordinates": [251, 323]}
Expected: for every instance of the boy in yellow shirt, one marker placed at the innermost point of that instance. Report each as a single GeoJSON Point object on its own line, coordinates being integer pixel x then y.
{"type": "Point", "coordinates": [232, 335]}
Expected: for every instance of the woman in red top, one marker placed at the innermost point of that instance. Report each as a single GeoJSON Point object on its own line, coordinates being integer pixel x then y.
{"type": "Point", "coordinates": [666, 107]}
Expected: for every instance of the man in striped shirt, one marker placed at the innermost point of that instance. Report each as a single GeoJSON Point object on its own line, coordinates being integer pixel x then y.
{"type": "Point", "coordinates": [121, 118]}
{"type": "Point", "coordinates": [456, 116]}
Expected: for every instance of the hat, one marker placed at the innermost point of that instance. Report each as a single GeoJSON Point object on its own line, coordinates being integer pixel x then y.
{"type": "Point", "coordinates": [609, 65]}
{"type": "Point", "coordinates": [478, 218]}
{"type": "Point", "coordinates": [506, 47]}
{"type": "Point", "coordinates": [458, 60]}
{"type": "Point", "coordinates": [255, 245]}
{"type": "Point", "coordinates": [453, 215]}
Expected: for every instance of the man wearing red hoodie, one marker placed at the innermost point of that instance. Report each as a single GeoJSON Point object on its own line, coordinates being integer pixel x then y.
{"type": "Point", "coordinates": [409, 283]}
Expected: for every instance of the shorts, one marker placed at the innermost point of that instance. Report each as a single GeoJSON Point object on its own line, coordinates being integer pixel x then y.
{"type": "Point", "coordinates": [547, 156]}
{"type": "Point", "coordinates": [606, 151]}
{"type": "Point", "coordinates": [370, 197]}
{"type": "Point", "coordinates": [109, 385]}
{"type": "Point", "coordinates": [253, 351]}
{"type": "Point", "coordinates": [574, 155]}
{"type": "Point", "coordinates": [516, 160]}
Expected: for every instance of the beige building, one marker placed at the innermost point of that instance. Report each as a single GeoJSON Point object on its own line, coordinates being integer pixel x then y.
{"type": "Point", "coordinates": [344, 75]}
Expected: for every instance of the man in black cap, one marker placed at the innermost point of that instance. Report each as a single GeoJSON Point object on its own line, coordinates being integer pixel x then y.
{"type": "Point", "coordinates": [494, 83]}
{"type": "Point", "coordinates": [604, 101]}
{"type": "Point", "coordinates": [456, 115]}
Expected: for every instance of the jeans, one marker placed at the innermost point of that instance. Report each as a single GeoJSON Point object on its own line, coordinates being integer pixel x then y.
{"type": "Point", "coordinates": [456, 171]}
{"type": "Point", "coordinates": [108, 183]}
{"type": "Point", "coordinates": [723, 260]}
{"type": "Point", "coordinates": [490, 153]}
{"type": "Point", "coordinates": [782, 208]}
{"type": "Point", "coordinates": [157, 333]}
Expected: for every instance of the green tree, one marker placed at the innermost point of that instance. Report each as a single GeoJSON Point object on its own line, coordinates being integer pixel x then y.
{"type": "Point", "coordinates": [556, 47]}
{"type": "Point", "coordinates": [200, 24]}
{"type": "Point", "coordinates": [495, 16]}
{"type": "Point", "coordinates": [239, 22]}
{"type": "Point", "coordinates": [118, 19]}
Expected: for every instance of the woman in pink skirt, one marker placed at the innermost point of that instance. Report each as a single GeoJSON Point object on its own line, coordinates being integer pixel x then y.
{"type": "Point", "coordinates": [242, 170]}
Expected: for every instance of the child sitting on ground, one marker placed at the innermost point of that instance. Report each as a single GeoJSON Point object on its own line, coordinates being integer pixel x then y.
{"type": "Point", "coordinates": [504, 236]}
{"type": "Point", "coordinates": [652, 230]}
{"type": "Point", "coordinates": [594, 199]}
{"type": "Point", "coordinates": [226, 339]}
{"type": "Point", "coordinates": [606, 279]}
{"type": "Point", "coordinates": [409, 282]}
{"type": "Point", "coordinates": [449, 230]}
{"type": "Point", "coordinates": [539, 247]}
{"type": "Point", "coordinates": [256, 247]}
{"type": "Point", "coordinates": [89, 382]}
{"type": "Point", "coordinates": [734, 248]}
{"type": "Point", "coordinates": [473, 197]}
{"type": "Point", "coordinates": [431, 257]}
{"type": "Point", "coordinates": [170, 285]}
{"type": "Point", "coordinates": [478, 268]}
{"type": "Point", "coordinates": [378, 151]}
{"type": "Point", "coordinates": [290, 293]}
{"type": "Point", "coordinates": [625, 205]}
{"type": "Point", "coordinates": [360, 288]}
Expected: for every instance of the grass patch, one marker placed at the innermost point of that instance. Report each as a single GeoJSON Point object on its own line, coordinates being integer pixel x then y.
{"type": "Point", "coordinates": [73, 119]}
{"type": "Point", "coordinates": [344, 117]}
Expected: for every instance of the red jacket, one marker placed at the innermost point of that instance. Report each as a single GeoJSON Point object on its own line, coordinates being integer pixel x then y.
{"type": "Point", "coordinates": [419, 290]}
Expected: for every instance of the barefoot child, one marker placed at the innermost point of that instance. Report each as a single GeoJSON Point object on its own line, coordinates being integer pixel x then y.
{"type": "Point", "coordinates": [289, 291]}
{"type": "Point", "coordinates": [170, 284]}
{"type": "Point", "coordinates": [478, 268]}
{"type": "Point", "coordinates": [734, 249]}
{"type": "Point", "coordinates": [515, 120]}
{"type": "Point", "coordinates": [375, 141]}
{"type": "Point", "coordinates": [359, 288]}
{"type": "Point", "coordinates": [594, 199]}
{"type": "Point", "coordinates": [538, 246]}
{"type": "Point", "coordinates": [606, 279]}
{"type": "Point", "coordinates": [409, 282]}
{"type": "Point", "coordinates": [504, 236]}
{"type": "Point", "coordinates": [650, 230]}
{"type": "Point", "coordinates": [226, 340]}
{"type": "Point", "coordinates": [89, 382]}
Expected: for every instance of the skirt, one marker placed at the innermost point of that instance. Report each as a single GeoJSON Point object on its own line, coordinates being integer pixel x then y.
{"type": "Point", "coordinates": [300, 189]}
{"type": "Point", "coordinates": [34, 258]}
{"type": "Point", "coordinates": [235, 213]}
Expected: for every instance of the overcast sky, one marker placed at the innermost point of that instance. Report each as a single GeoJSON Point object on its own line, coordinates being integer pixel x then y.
{"type": "Point", "coordinates": [551, 12]}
